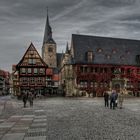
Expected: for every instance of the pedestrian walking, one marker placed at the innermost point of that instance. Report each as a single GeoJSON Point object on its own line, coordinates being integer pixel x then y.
{"type": "Point", "coordinates": [120, 100]}
{"type": "Point", "coordinates": [106, 98]}
{"type": "Point", "coordinates": [24, 98]}
{"type": "Point", "coordinates": [30, 99]}
{"type": "Point", "coordinates": [112, 99]}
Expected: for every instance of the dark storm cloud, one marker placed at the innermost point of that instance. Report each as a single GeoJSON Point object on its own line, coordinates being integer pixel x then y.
{"type": "Point", "coordinates": [23, 21]}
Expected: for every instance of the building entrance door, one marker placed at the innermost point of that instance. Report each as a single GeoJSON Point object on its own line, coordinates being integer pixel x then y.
{"type": "Point", "coordinates": [118, 84]}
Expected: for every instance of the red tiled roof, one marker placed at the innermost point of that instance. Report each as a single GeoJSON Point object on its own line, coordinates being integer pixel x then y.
{"type": "Point", "coordinates": [49, 71]}
{"type": "Point", "coordinates": [55, 77]}
{"type": "Point", "coordinates": [4, 73]}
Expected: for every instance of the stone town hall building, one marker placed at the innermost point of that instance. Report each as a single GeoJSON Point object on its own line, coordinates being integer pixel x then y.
{"type": "Point", "coordinates": [92, 64]}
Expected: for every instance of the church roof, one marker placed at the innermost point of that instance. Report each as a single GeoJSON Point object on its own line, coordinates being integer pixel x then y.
{"type": "Point", "coordinates": [67, 48]}
{"type": "Point", "coordinates": [48, 32]}
{"type": "Point", "coordinates": [106, 50]}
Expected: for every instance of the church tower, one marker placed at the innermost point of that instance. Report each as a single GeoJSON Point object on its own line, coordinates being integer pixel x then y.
{"type": "Point", "coordinates": [49, 46]}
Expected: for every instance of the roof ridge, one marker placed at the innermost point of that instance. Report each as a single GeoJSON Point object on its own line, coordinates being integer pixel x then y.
{"type": "Point", "coordinates": [106, 37]}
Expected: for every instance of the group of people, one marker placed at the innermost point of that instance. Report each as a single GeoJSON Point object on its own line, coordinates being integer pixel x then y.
{"type": "Point", "coordinates": [28, 96]}
{"type": "Point", "coordinates": [112, 100]}
{"type": "Point", "coordinates": [115, 98]}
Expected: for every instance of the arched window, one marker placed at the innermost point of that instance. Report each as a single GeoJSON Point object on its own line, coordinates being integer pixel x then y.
{"type": "Point", "coordinates": [114, 51]}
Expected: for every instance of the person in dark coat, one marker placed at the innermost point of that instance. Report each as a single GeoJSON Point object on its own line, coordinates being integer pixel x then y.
{"type": "Point", "coordinates": [113, 99]}
{"type": "Point", "coordinates": [106, 99]}
{"type": "Point", "coordinates": [30, 98]}
{"type": "Point", "coordinates": [24, 98]}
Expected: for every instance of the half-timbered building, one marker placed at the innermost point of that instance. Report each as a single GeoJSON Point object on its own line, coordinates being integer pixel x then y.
{"type": "Point", "coordinates": [15, 89]}
{"type": "Point", "coordinates": [32, 72]}
{"type": "Point", "coordinates": [4, 82]}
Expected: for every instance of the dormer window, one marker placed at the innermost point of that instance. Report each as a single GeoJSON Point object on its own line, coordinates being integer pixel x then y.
{"type": "Point", "coordinates": [114, 51]}
{"type": "Point", "coordinates": [99, 50]}
{"type": "Point", "coordinates": [122, 57]}
{"type": "Point", "coordinates": [89, 56]}
{"type": "Point", "coordinates": [127, 52]}
{"type": "Point", "coordinates": [108, 56]}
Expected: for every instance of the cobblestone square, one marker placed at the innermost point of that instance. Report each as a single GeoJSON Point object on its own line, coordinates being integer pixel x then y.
{"type": "Point", "coordinates": [69, 119]}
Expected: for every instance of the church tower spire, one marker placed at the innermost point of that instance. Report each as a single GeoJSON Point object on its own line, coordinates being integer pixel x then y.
{"type": "Point", "coordinates": [67, 48]}
{"type": "Point", "coordinates": [48, 32]}
{"type": "Point", "coordinates": [49, 46]}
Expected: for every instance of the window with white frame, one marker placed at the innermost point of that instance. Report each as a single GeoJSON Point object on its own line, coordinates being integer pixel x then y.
{"type": "Point", "coordinates": [91, 84]}
{"type": "Point", "coordinates": [23, 70]}
{"type": "Point", "coordinates": [29, 70]}
{"type": "Point", "coordinates": [39, 80]}
{"type": "Point", "coordinates": [35, 71]}
{"type": "Point", "coordinates": [24, 80]}
{"type": "Point", "coordinates": [31, 61]}
{"type": "Point", "coordinates": [41, 71]}
{"type": "Point", "coordinates": [32, 80]}
{"type": "Point", "coordinates": [83, 84]}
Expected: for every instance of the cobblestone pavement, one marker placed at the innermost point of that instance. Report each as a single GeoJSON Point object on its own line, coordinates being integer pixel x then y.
{"type": "Point", "coordinates": [69, 119]}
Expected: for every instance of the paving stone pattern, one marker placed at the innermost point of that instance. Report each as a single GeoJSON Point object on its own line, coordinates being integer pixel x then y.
{"type": "Point", "coordinates": [69, 119]}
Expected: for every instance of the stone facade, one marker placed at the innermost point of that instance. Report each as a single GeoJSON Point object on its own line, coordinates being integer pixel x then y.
{"type": "Point", "coordinates": [49, 46]}
{"type": "Point", "coordinates": [67, 79]}
{"type": "Point", "coordinates": [95, 72]}
{"type": "Point", "coordinates": [49, 55]}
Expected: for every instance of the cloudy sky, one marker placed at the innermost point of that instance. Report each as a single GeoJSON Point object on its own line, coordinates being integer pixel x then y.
{"type": "Point", "coordinates": [23, 21]}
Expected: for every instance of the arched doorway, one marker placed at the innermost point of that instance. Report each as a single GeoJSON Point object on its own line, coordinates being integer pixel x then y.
{"type": "Point", "coordinates": [117, 87]}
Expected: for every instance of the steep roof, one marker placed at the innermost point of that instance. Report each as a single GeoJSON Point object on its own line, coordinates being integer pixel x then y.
{"type": "Point", "coordinates": [106, 50]}
{"type": "Point", "coordinates": [31, 48]}
{"type": "Point", "coordinates": [48, 32]}
{"type": "Point", "coordinates": [67, 48]}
